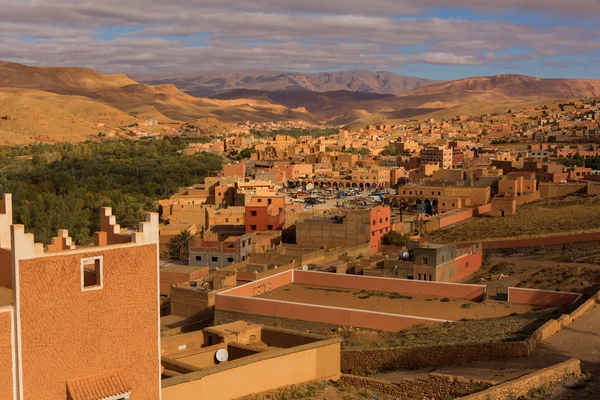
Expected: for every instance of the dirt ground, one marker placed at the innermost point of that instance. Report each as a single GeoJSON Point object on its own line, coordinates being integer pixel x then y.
{"type": "Point", "coordinates": [572, 214]}
{"type": "Point", "coordinates": [397, 303]}
{"type": "Point", "coordinates": [550, 270]}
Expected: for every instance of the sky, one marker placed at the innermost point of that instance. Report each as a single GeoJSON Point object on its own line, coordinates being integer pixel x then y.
{"type": "Point", "coordinates": [436, 39]}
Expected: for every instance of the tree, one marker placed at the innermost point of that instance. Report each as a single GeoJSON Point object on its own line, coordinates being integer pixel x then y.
{"type": "Point", "coordinates": [179, 246]}
{"type": "Point", "coordinates": [246, 153]}
{"type": "Point", "coordinates": [364, 151]}
{"type": "Point", "coordinates": [393, 238]}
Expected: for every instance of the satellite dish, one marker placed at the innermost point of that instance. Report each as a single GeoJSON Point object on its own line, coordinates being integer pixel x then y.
{"type": "Point", "coordinates": [305, 268]}
{"type": "Point", "coordinates": [406, 255]}
{"type": "Point", "coordinates": [221, 355]}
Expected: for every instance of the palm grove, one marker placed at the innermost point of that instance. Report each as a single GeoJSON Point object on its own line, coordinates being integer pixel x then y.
{"type": "Point", "coordinates": [64, 185]}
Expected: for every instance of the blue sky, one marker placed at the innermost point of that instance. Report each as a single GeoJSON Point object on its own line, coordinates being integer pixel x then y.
{"type": "Point", "coordinates": [435, 39]}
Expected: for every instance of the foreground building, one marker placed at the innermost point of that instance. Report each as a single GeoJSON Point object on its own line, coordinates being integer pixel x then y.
{"type": "Point", "coordinates": [81, 323]}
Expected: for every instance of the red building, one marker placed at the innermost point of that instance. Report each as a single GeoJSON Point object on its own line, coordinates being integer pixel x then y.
{"type": "Point", "coordinates": [265, 213]}
{"type": "Point", "coordinates": [380, 221]}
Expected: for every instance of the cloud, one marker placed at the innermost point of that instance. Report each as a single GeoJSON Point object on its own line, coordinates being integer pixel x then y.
{"type": "Point", "coordinates": [194, 35]}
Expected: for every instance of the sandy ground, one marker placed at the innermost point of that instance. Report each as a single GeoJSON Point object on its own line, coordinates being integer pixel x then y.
{"type": "Point", "coordinates": [421, 306]}
{"type": "Point", "coordinates": [530, 269]}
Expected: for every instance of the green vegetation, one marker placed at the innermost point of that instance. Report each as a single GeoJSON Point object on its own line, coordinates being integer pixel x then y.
{"type": "Point", "coordinates": [64, 185]}
{"type": "Point", "coordinates": [394, 238]}
{"type": "Point", "coordinates": [179, 245]}
{"type": "Point", "coordinates": [296, 132]}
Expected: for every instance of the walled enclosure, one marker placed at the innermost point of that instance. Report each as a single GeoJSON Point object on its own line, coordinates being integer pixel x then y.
{"type": "Point", "coordinates": [241, 299]}
{"type": "Point", "coordinates": [313, 358]}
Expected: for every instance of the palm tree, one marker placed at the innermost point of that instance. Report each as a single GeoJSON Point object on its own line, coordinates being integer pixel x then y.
{"type": "Point", "coordinates": [179, 245]}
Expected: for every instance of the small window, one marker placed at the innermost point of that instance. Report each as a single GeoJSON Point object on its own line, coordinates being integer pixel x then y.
{"type": "Point", "coordinates": [269, 201]}
{"type": "Point", "coordinates": [198, 258]}
{"type": "Point", "coordinates": [374, 222]}
{"type": "Point", "coordinates": [270, 227]}
{"type": "Point", "coordinates": [91, 273]}
{"type": "Point", "coordinates": [226, 219]}
{"type": "Point", "coordinates": [381, 220]}
{"type": "Point", "coordinates": [215, 259]}
{"type": "Point", "coordinates": [249, 241]}
{"type": "Point", "coordinates": [229, 259]}
{"type": "Point", "coordinates": [260, 200]}
{"type": "Point", "coordinates": [253, 213]}
{"type": "Point", "coordinates": [253, 227]}
{"type": "Point", "coordinates": [425, 261]}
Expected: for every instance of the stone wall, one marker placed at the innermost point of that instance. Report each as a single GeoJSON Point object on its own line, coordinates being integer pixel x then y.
{"type": "Point", "coordinates": [438, 386]}
{"type": "Point", "coordinates": [521, 386]}
{"type": "Point", "coordinates": [370, 360]}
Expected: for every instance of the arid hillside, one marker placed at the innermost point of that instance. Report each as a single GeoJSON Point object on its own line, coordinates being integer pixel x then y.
{"type": "Point", "coordinates": [213, 83]}
{"type": "Point", "coordinates": [58, 104]}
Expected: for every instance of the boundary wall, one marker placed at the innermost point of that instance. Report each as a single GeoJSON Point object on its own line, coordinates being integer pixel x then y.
{"type": "Point", "coordinates": [437, 386]}
{"type": "Point", "coordinates": [538, 297]}
{"type": "Point", "coordinates": [522, 386]}
{"type": "Point", "coordinates": [242, 299]}
{"type": "Point", "coordinates": [543, 241]}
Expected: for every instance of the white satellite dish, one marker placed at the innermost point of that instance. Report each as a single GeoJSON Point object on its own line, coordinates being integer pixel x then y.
{"type": "Point", "coordinates": [221, 355]}
{"type": "Point", "coordinates": [305, 268]}
{"type": "Point", "coordinates": [406, 255]}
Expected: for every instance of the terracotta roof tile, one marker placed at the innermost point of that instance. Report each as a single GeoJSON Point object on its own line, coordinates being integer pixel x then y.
{"type": "Point", "coordinates": [98, 387]}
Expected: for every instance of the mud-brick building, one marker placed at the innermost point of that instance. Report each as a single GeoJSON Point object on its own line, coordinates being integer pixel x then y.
{"type": "Point", "coordinates": [79, 322]}
{"type": "Point", "coordinates": [351, 229]}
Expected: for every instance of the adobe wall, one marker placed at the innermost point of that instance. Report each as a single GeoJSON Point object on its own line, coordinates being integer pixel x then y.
{"type": "Point", "coordinates": [388, 285]}
{"type": "Point", "coordinates": [6, 354]}
{"type": "Point", "coordinates": [237, 378]}
{"type": "Point", "coordinates": [251, 289]}
{"type": "Point", "coordinates": [468, 264]}
{"type": "Point", "coordinates": [225, 317]}
{"type": "Point", "coordinates": [454, 218]}
{"type": "Point", "coordinates": [91, 331]}
{"type": "Point", "coordinates": [323, 314]}
{"type": "Point", "coordinates": [546, 241]}
{"type": "Point", "coordinates": [437, 386]}
{"type": "Point", "coordinates": [541, 297]}
{"type": "Point", "coordinates": [527, 198]}
{"type": "Point", "coordinates": [548, 190]}
{"type": "Point", "coordinates": [366, 361]}
{"type": "Point", "coordinates": [520, 387]}
{"type": "Point", "coordinates": [187, 302]}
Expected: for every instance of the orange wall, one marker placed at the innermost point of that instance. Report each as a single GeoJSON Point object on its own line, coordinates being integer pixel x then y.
{"type": "Point", "coordinates": [382, 218]}
{"type": "Point", "coordinates": [320, 363]}
{"type": "Point", "coordinates": [6, 268]}
{"type": "Point", "coordinates": [473, 260]}
{"type": "Point", "coordinates": [6, 354]}
{"type": "Point", "coordinates": [471, 292]}
{"type": "Point", "coordinates": [542, 241]}
{"type": "Point", "coordinates": [541, 297]}
{"type": "Point", "coordinates": [324, 314]}
{"type": "Point", "coordinates": [251, 289]}
{"type": "Point", "coordinates": [69, 334]}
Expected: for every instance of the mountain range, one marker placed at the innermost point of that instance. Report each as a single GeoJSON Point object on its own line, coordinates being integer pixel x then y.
{"type": "Point", "coordinates": [71, 103]}
{"type": "Point", "coordinates": [214, 83]}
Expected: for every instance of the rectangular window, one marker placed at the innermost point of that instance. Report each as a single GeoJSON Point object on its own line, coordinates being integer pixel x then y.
{"type": "Point", "coordinates": [253, 227]}
{"type": "Point", "coordinates": [198, 258]}
{"type": "Point", "coordinates": [253, 213]}
{"type": "Point", "coordinates": [226, 219]}
{"type": "Point", "coordinates": [215, 259]}
{"type": "Point", "coordinates": [270, 227]}
{"type": "Point", "coordinates": [269, 201]}
{"type": "Point", "coordinates": [260, 200]}
{"type": "Point", "coordinates": [91, 273]}
{"type": "Point", "coordinates": [425, 260]}
{"type": "Point", "coordinates": [229, 259]}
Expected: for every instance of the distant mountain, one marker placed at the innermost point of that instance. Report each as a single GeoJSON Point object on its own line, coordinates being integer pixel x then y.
{"type": "Point", "coordinates": [308, 100]}
{"type": "Point", "coordinates": [213, 83]}
{"type": "Point", "coordinates": [515, 87]}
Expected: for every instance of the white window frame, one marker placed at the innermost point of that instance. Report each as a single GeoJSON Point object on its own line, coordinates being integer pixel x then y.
{"type": "Point", "coordinates": [88, 260]}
